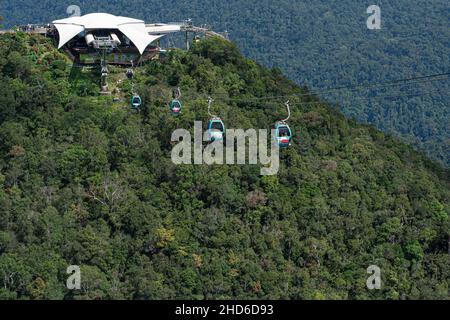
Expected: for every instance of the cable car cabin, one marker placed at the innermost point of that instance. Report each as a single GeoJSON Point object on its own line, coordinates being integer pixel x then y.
{"type": "Point", "coordinates": [216, 129]}
{"type": "Point", "coordinates": [136, 102]}
{"type": "Point", "coordinates": [283, 134]}
{"type": "Point", "coordinates": [175, 107]}
{"type": "Point", "coordinates": [130, 74]}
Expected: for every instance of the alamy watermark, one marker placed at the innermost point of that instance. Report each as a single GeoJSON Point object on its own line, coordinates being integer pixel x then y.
{"type": "Point", "coordinates": [223, 152]}
{"type": "Point", "coordinates": [374, 20]}
{"type": "Point", "coordinates": [74, 280]}
{"type": "Point", "coordinates": [374, 281]}
{"type": "Point", "coordinates": [73, 10]}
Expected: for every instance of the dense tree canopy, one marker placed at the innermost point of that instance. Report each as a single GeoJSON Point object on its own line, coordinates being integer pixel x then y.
{"type": "Point", "coordinates": [86, 181]}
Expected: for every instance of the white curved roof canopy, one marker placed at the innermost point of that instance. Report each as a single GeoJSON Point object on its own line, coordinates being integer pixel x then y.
{"type": "Point", "coordinates": [134, 29]}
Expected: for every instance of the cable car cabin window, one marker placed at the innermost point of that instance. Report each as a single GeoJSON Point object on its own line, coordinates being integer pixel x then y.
{"type": "Point", "coordinates": [284, 132]}
{"type": "Point", "coordinates": [217, 126]}
{"type": "Point", "coordinates": [176, 104]}
{"type": "Point", "coordinates": [136, 101]}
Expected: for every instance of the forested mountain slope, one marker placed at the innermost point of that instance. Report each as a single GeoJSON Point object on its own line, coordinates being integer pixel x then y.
{"type": "Point", "coordinates": [321, 44]}
{"type": "Point", "coordinates": [85, 181]}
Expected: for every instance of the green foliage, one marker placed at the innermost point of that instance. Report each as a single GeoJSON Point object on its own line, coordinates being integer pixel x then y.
{"type": "Point", "coordinates": [86, 181]}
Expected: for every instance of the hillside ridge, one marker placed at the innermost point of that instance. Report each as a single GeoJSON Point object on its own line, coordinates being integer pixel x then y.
{"type": "Point", "coordinates": [87, 181]}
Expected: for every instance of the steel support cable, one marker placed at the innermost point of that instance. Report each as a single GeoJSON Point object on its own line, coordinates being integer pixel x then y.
{"type": "Point", "coordinates": [440, 77]}
{"type": "Point", "coordinates": [204, 97]}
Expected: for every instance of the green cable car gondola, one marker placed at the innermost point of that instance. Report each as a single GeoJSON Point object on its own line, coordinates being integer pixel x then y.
{"type": "Point", "coordinates": [130, 74]}
{"type": "Point", "coordinates": [175, 105]}
{"type": "Point", "coordinates": [136, 102]}
{"type": "Point", "coordinates": [216, 129]}
{"type": "Point", "coordinates": [283, 133]}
